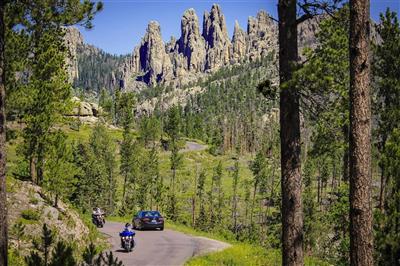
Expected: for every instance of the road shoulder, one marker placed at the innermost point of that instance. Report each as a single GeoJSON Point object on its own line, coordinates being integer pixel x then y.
{"type": "Point", "coordinates": [206, 245]}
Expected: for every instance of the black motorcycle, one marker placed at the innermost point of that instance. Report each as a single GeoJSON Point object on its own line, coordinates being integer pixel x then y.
{"type": "Point", "coordinates": [98, 220]}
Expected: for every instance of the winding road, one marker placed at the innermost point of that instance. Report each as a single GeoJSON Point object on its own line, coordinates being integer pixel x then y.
{"type": "Point", "coordinates": [159, 248]}
{"type": "Point", "coordinates": [194, 146]}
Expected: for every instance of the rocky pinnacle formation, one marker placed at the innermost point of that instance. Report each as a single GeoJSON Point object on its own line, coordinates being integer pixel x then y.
{"type": "Point", "coordinates": [153, 58]}
{"type": "Point", "coordinates": [262, 34]}
{"type": "Point", "coordinates": [238, 43]}
{"type": "Point", "coordinates": [191, 44]}
{"type": "Point", "coordinates": [195, 53]}
{"type": "Point", "coordinates": [216, 37]}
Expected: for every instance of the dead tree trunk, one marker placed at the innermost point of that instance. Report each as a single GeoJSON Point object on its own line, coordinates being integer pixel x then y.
{"type": "Point", "coordinates": [361, 246]}
{"type": "Point", "coordinates": [292, 214]}
{"type": "Point", "coordinates": [3, 196]}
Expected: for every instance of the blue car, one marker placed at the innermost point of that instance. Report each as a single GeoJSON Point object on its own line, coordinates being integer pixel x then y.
{"type": "Point", "coordinates": [148, 220]}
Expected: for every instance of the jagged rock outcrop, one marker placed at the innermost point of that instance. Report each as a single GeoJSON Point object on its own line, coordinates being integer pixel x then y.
{"type": "Point", "coordinates": [238, 44]}
{"type": "Point", "coordinates": [153, 59]}
{"type": "Point", "coordinates": [218, 44]}
{"type": "Point", "coordinates": [262, 36]}
{"type": "Point", "coordinates": [32, 206]}
{"type": "Point", "coordinates": [195, 54]}
{"type": "Point", "coordinates": [306, 32]}
{"type": "Point", "coordinates": [73, 39]}
{"type": "Point", "coordinates": [191, 44]}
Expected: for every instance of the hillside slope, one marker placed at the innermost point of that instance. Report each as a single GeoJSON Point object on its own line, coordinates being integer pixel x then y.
{"type": "Point", "coordinates": [28, 205]}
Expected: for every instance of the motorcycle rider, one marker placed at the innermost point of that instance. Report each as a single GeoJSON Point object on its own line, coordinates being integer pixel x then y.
{"type": "Point", "coordinates": [98, 214]}
{"type": "Point", "coordinates": [127, 228]}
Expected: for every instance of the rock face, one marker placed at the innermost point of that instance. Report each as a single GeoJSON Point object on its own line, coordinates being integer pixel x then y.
{"type": "Point", "coordinates": [195, 54]}
{"type": "Point", "coordinates": [25, 198]}
{"type": "Point", "coordinates": [306, 32]}
{"type": "Point", "coordinates": [191, 44]}
{"type": "Point", "coordinates": [152, 57]}
{"type": "Point", "coordinates": [238, 43]}
{"type": "Point", "coordinates": [262, 34]}
{"type": "Point", "coordinates": [73, 39]}
{"type": "Point", "coordinates": [86, 112]}
{"type": "Point", "coordinates": [215, 34]}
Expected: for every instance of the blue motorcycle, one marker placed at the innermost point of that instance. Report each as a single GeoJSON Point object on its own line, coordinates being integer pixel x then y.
{"type": "Point", "coordinates": [127, 239]}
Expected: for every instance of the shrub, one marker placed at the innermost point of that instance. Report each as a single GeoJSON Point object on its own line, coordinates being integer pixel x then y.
{"type": "Point", "coordinates": [30, 214]}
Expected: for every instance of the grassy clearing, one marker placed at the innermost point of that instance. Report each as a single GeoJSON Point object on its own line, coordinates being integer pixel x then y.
{"type": "Point", "coordinates": [240, 254]}
{"type": "Point", "coordinates": [247, 255]}
{"type": "Point", "coordinates": [85, 130]}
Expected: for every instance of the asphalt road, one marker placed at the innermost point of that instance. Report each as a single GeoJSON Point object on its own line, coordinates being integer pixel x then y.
{"type": "Point", "coordinates": [153, 247]}
{"type": "Point", "coordinates": [194, 146]}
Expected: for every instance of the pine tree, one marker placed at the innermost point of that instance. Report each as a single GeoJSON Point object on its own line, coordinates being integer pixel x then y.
{"type": "Point", "coordinates": [127, 165]}
{"type": "Point", "coordinates": [60, 169]}
{"type": "Point", "coordinates": [3, 196]}
{"type": "Point", "coordinates": [258, 167]}
{"type": "Point", "coordinates": [292, 222]}
{"type": "Point", "coordinates": [173, 130]}
{"type": "Point", "coordinates": [62, 255]}
{"type": "Point", "coordinates": [235, 183]}
{"type": "Point", "coordinates": [361, 247]}
{"type": "Point", "coordinates": [47, 83]}
{"type": "Point", "coordinates": [201, 221]}
{"type": "Point", "coordinates": [18, 230]}
{"type": "Point", "coordinates": [89, 254]}
{"type": "Point", "coordinates": [217, 181]}
{"type": "Point", "coordinates": [156, 185]}
{"type": "Point", "coordinates": [388, 234]}
{"type": "Point", "coordinates": [386, 73]}
{"type": "Point", "coordinates": [42, 246]}
{"type": "Point", "coordinates": [103, 149]}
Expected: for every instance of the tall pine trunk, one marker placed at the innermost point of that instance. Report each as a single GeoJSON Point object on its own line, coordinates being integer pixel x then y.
{"type": "Point", "coordinates": [3, 197]}
{"type": "Point", "coordinates": [32, 169]}
{"type": "Point", "coordinates": [361, 246]}
{"type": "Point", "coordinates": [292, 214]}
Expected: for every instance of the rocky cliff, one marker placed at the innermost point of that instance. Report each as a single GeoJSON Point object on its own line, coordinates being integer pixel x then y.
{"type": "Point", "coordinates": [196, 53]}
{"type": "Point", "coordinates": [73, 39]}
{"type": "Point", "coordinates": [89, 67]}
{"type": "Point", "coordinates": [31, 206]}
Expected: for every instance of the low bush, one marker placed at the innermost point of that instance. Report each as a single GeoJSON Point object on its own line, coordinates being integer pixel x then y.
{"type": "Point", "coordinates": [30, 215]}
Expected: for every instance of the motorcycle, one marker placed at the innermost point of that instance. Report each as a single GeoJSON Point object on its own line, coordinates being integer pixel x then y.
{"type": "Point", "coordinates": [127, 240]}
{"type": "Point", "coordinates": [98, 220]}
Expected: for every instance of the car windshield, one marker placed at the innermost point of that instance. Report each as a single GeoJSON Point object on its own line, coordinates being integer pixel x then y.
{"type": "Point", "coordinates": [151, 214]}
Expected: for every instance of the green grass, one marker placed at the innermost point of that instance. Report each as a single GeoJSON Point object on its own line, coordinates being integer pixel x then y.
{"type": "Point", "coordinates": [191, 231]}
{"type": "Point", "coordinates": [31, 215]}
{"type": "Point", "coordinates": [239, 254]}
{"type": "Point", "coordinates": [83, 134]}
{"type": "Point", "coordinates": [118, 219]}
{"type": "Point", "coordinates": [247, 255]}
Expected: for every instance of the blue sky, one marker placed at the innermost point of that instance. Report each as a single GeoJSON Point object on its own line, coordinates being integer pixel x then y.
{"type": "Point", "coordinates": [122, 23]}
